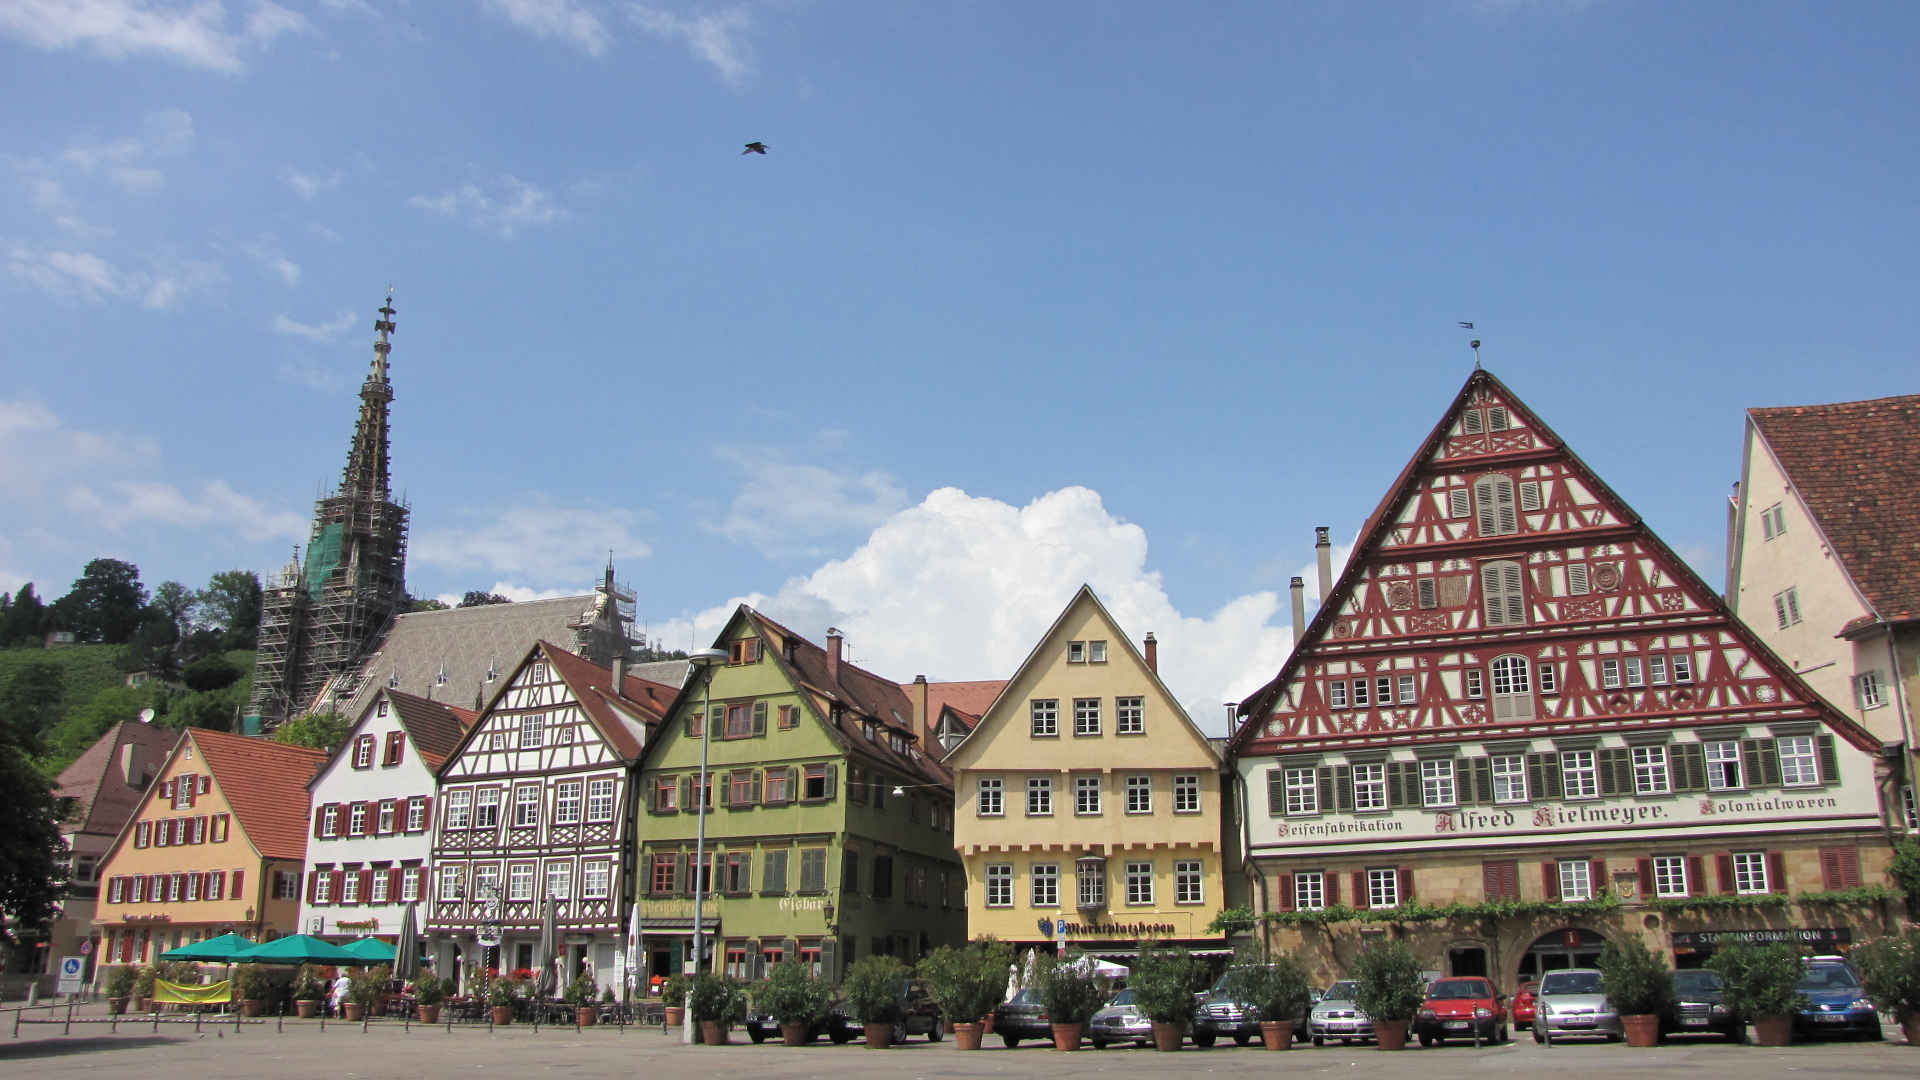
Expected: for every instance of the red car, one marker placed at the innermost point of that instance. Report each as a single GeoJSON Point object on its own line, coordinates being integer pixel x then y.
{"type": "Point", "coordinates": [1459, 1009]}
{"type": "Point", "coordinates": [1523, 1003]}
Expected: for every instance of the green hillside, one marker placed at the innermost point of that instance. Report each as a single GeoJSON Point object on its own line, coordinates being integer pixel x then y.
{"type": "Point", "coordinates": [95, 696]}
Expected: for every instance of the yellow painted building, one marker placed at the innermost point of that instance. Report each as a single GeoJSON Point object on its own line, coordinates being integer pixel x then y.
{"type": "Point", "coordinates": [1087, 796]}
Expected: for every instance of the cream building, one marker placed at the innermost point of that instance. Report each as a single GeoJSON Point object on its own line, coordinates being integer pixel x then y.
{"type": "Point", "coordinates": [1087, 797]}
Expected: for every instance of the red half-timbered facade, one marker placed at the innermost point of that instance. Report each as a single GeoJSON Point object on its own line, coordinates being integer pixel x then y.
{"type": "Point", "coordinates": [1516, 691]}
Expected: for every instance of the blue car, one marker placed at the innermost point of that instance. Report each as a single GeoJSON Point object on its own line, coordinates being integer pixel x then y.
{"type": "Point", "coordinates": [1836, 1004]}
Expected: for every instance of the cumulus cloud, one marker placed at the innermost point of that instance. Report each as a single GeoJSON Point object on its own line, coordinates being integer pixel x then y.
{"type": "Point", "coordinates": [85, 276]}
{"type": "Point", "coordinates": [784, 506]}
{"type": "Point", "coordinates": [322, 332]}
{"type": "Point", "coordinates": [559, 20]}
{"type": "Point", "coordinates": [516, 593]}
{"type": "Point", "coordinates": [520, 204]}
{"type": "Point", "coordinates": [309, 185]}
{"type": "Point", "coordinates": [196, 33]}
{"type": "Point", "coordinates": [551, 544]}
{"type": "Point", "coordinates": [716, 37]}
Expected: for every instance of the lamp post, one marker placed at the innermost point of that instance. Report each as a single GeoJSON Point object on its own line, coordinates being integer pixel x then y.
{"type": "Point", "coordinates": [706, 660]}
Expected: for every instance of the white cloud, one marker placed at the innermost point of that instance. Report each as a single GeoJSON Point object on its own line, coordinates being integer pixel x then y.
{"type": "Point", "coordinates": [715, 37]}
{"type": "Point", "coordinates": [552, 545]}
{"type": "Point", "coordinates": [190, 32]}
{"type": "Point", "coordinates": [321, 332]}
{"type": "Point", "coordinates": [120, 503]}
{"type": "Point", "coordinates": [520, 205]}
{"type": "Point", "coordinates": [961, 587]}
{"type": "Point", "coordinates": [784, 505]}
{"type": "Point", "coordinates": [562, 20]}
{"type": "Point", "coordinates": [519, 594]}
{"type": "Point", "coordinates": [85, 276]}
{"type": "Point", "coordinates": [311, 185]}
{"type": "Point", "coordinates": [267, 252]}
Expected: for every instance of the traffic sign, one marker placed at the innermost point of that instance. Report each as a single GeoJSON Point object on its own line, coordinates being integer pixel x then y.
{"type": "Point", "coordinates": [73, 970]}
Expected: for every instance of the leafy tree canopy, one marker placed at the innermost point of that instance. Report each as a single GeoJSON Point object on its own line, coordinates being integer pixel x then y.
{"type": "Point", "coordinates": [106, 604]}
{"type": "Point", "coordinates": [211, 673]}
{"type": "Point", "coordinates": [23, 618]}
{"type": "Point", "coordinates": [29, 704]}
{"type": "Point", "coordinates": [322, 731]}
{"type": "Point", "coordinates": [477, 598]}
{"type": "Point", "coordinates": [231, 601]}
{"type": "Point", "coordinates": [31, 877]}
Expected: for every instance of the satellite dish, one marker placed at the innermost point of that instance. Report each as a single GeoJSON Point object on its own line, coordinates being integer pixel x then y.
{"type": "Point", "coordinates": [147, 715]}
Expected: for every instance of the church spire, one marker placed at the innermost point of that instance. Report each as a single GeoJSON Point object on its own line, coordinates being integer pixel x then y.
{"type": "Point", "coordinates": [366, 472]}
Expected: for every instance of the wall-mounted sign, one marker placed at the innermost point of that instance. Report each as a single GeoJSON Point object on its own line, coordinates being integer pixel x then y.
{"type": "Point", "coordinates": [1707, 939]}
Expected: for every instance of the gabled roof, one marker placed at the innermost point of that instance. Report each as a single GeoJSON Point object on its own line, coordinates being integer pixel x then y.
{"type": "Point", "coordinates": [104, 801]}
{"type": "Point", "coordinates": [466, 643]}
{"type": "Point", "coordinates": [265, 783]}
{"type": "Point", "coordinates": [433, 728]}
{"type": "Point", "coordinates": [621, 719]}
{"type": "Point", "coordinates": [968, 699]}
{"type": "Point", "coordinates": [1856, 468]}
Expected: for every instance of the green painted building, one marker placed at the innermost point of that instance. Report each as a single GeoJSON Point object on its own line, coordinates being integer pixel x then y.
{"type": "Point", "coordinates": [829, 826]}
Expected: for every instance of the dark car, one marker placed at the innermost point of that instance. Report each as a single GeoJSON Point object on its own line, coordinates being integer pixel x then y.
{"type": "Point", "coordinates": [1022, 1017]}
{"type": "Point", "coordinates": [1836, 1004]}
{"type": "Point", "coordinates": [1701, 1008]}
{"type": "Point", "coordinates": [919, 1015]}
{"type": "Point", "coordinates": [1222, 1015]}
{"type": "Point", "coordinates": [1461, 1008]}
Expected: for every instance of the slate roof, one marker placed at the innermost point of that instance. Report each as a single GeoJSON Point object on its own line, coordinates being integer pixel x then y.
{"type": "Point", "coordinates": [103, 799]}
{"type": "Point", "coordinates": [1856, 467]}
{"type": "Point", "coordinates": [266, 784]}
{"type": "Point", "coordinates": [467, 643]}
{"type": "Point", "coordinates": [433, 728]}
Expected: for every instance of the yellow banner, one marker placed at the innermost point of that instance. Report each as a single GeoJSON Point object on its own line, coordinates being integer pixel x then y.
{"type": "Point", "coordinates": [176, 994]}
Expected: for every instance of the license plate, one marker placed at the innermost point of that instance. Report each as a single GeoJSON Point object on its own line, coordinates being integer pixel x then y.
{"type": "Point", "coordinates": [1456, 1023]}
{"type": "Point", "coordinates": [1693, 1021]}
{"type": "Point", "coordinates": [1577, 1021]}
{"type": "Point", "coordinates": [1826, 1018]}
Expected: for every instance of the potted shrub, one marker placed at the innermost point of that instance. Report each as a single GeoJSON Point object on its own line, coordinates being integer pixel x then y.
{"type": "Point", "coordinates": [308, 991]}
{"type": "Point", "coordinates": [1277, 989]}
{"type": "Point", "coordinates": [1639, 987]}
{"type": "Point", "coordinates": [968, 981]}
{"type": "Point", "coordinates": [794, 998]}
{"type": "Point", "coordinates": [873, 995]}
{"type": "Point", "coordinates": [429, 990]}
{"type": "Point", "coordinates": [1389, 987]}
{"type": "Point", "coordinates": [251, 987]}
{"type": "Point", "coordinates": [673, 994]}
{"type": "Point", "coordinates": [579, 994]}
{"type": "Point", "coordinates": [1162, 982]}
{"type": "Point", "coordinates": [717, 1001]}
{"type": "Point", "coordinates": [1890, 970]}
{"type": "Point", "coordinates": [119, 988]}
{"type": "Point", "coordinates": [1760, 983]}
{"type": "Point", "coordinates": [1071, 993]}
{"type": "Point", "coordinates": [501, 996]}
{"type": "Point", "coordinates": [143, 988]}
{"type": "Point", "coordinates": [364, 989]}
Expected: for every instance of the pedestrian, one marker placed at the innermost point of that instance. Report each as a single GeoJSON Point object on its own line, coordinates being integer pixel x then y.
{"type": "Point", "coordinates": [338, 999]}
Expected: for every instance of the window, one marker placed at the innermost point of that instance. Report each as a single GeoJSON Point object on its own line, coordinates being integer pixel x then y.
{"type": "Point", "coordinates": [1773, 521]}
{"type": "Point", "coordinates": [789, 717]}
{"type": "Point", "coordinates": [1096, 652]}
{"type": "Point", "coordinates": [193, 887]}
{"type": "Point", "coordinates": [350, 887]}
{"type": "Point", "coordinates": [1406, 694]}
{"type": "Point", "coordinates": [1798, 765]}
{"type": "Point", "coordinates": [1086, 716]}
{"type": "Point", "coordinates": [773, 878]}
{"type": "Point", "coordinates": [1459, 503]}
{"type": "Point", "coordinates": [410, 884]}
{"type": "Point", "coordinates": [459, 809]}
{"type": "Point", "coordinates": [117, 891]}
{"type": "Point", "coordinates": [526, 807]}
{"type": "Point", "coordinates": [1549, 676]}
{"type": "Point", "coordinates": [1750, 872]}
{"type": "Point", "coordinates": [1360, 695]}
{"type": "Point", "coordinates": [1187, 888]}
{"type": "Point", "coordinates": [1669, 875]}
{"type": "Point", "coordinates": [739, 873]}
{"type": "Point", "coordinates": [744, 651]}
{"type": "Point", "coordinates": [1092, 881]}
{"type": "Point", "coordinates": [1130, 716]}
{"type": "Point", "coordinates": [1139, 794]}
{"type": "Point", "coordinates": [779, 786]}
{"type": "Point", "coordinates": [1303, 790]}
{"type": "Point", "coordinates": [1039, 796]}
{"type": "Point", "coordinates": [1476, 683]}
{"type": "Point", "coordinates": [1578, 777]}
{"type": "Point", "coordinates": [1497, 418]}
{"type": "Point", "coordinates": [559, 881]}
{"type": "Point", "coordinates": [323, 886]}
{"type": "Point", "coordinates": [1186, 793]}
{"type": "Point", "coordinates": [599, 799]}
{"type": "Point", "coordinates": [532, 728]}
{"type": "Point", "coordinates": [1429, 598]}
{"type": "Point", "coordinates": [1383, 888]}
{"type": "Point", "coordinates": [1046, 717]}
{"type": "Point", "coordinates": [596, 879]}
{"type": "Point", "coordinates": [740, 788]}
{"type": "Point", "coordinates": [384, 823]}
{"type": "Point", "coordinates": [1578, 583]}
{"type": "Point", "coordinates": [1436, 783]}
{"type": "Point", "coordinates": [1500, 880]}
{"type": "Point", "coordinates": [1512, 693]}
{"type": "Point", "coordinates": [1309, 890]}
{"type": "Point", "coordinates": [1383, 691]}
{"type": "Point", "coordinates": [1866, 687]}
{"type": "Point", "coordinates": [1576, 879]}
{"type": "Point", "coordinates": [740, 722]}
{"type": "Point", "coordinates": [416, 814]}
{"type": "Point", "coordinates": [450, 883]}
{"type": "Point", "coordinates": [813, 870]}
{"type": "Point", "coordinates": [363, 752]}
{"type": "Point", "coordinates": [999, 885]}
{"type": "Point", "coordinates": [379, 884]}
{"type": "Point", "coordinates": [1682, 668]}
{"type": "Point", "coordinates": [1370, 787]}
{"type": "Point", "coordinates": [815, 780]}
{"type": "Point", "coordinates": [1076, 652]}
{"type": "Point", "coordinates": [1139, 883]}
{"type": "Point", "coordinates": [1635, 677]}
{"type": "Point", "coordinates": [486, 808]}
{"type": "Point", "coordinates": [1086, 795]}
{"type": "Point", "coordinates": [1510, 778]}
{"type": "Point", "coordinates": [1044, 881]}
{"type": "Point", "coordinates": [1337, 694]}
{"type": "Point", "coordinates": [1500, 589]}
{"type": "Point", "coordinates": [989, 798]}
{"type": "Point", "coordinates": [1723, 766]}
{"type": "Point", "coordinates": [143, 833]}
{"type": "Point", "coordinates": [1610, 674]}
{"type": "Point", "coordinates": [396, 746]}
{"type": "Point", "coordinates": [566, 803]}
{"type": "Point", "coordinates": [1650, 771]}
{"type": "Point", "coordinates": [1910, 808]}
{"type": "Point", "coordinates": [1494, 497]}
{"type": "Point", "coordinates": [356, 820]}
{"type": "Point", "coordinates": [1656, 670]}
{"type": "Point", "coordinates": [330, 820]}
{"type": "Point", "coordinates": [1786, 607]}
{"type": "Point", "coordinates": [666, 793]}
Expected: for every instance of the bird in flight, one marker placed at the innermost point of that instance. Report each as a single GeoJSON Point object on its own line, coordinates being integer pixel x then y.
{"type": "Point", "coordinates": [1466, 326]}
{"type": "Point", "coordinates": [755, 148]}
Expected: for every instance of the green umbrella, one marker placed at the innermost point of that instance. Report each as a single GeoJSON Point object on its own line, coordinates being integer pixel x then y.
{"type": "Point", "coordinates": [370, 950]}
{"type": "Point", "coordinates": [219, 950]}
{"type": "Point", "coordinates": [300, 949]}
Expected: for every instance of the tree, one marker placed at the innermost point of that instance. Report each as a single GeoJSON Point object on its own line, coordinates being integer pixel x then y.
{"type": "Point", "coordinates": [231, 601]}
{"type": "Point", "coordinates": [106, 604]}
{"type": "Point", "coordinates": [212, 673]}
{"type": "Point", "coordinates": [322, 731]}
{"type": "Point", "coordinates": [32, 877]}
{"type": "Point", "coordinates": [415, 603]}
{"type": "Point", "coordinates": [23, 618]}
{"type": "Point", "coordinates": [477, 598]}
{"type": "Point", "coordinates": [30, 704]}
{"type": "Point", "coordinates": [177, 605]}
{"type": "Point", "coordinates": [84, 724]}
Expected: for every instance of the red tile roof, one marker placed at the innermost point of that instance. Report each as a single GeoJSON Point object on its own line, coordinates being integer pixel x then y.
{"type": "Point", "coordinates": [266, 784]}
{"type": "Point", "coordinates": [592, 686]}
{"type": "Point", "coordinates": [1856, 466]}
{"type": "Point", "coordinates": [434, 728]}
{"type": "Point", "coordinates": [969, 699]}
{"type": "Point", "coordinates": [103, 798]}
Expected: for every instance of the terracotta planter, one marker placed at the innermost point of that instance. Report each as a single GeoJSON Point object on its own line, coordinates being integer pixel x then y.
{"type": "Point", "coordinates": [142, 1004]}
{"type": "Point", "coordinates": [429, 1014]}
{"type": "Point", "coordinates": [1773, 1030]}
{"type": "Point", "coordinates": [793, 1034]}
{"type": "Point", "coordinates": [586, 1015]}
{"type": "Point", "coordinates": [1642, 1031]}
{"type": "Point", "coordinates": [713, 1033]}
{"type": "Point", "coordinates": [502, 1015]}
{"type": "Point", "coordinates": [879, 1036]}
{"type": "Point", "coordinates": [355, 1011]}
{"type": "Point", "coordinates": [676, 1015]}
{"type": "Point", "coordinates": [1277, 1034]}
{"type": "Point", "coordinates": [986, 1024]}
{"type": "Point", "coordinates": [306, 1009]}
{"type": "Point", "coordinates": [117, 1006]}
{"type": "Point", "coordinates": [1390, 1034]}
{"type": "Point", "coordinates": [1167, 1036]}
{"type": "Point", "coordinates": [1066, 1036]}
{"type": "Point", "coordinates": [1911, 1025]}
{"type": "Point", "coordinates": [967, 1036]}
{"type": "Point", "coordinates": [252, 1006]}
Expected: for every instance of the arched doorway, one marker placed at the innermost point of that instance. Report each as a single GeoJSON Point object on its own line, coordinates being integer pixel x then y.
{"type": "Point", "coordinates": [1567, 948]}
{"type": "Point", "coordinates": [1465, 958]}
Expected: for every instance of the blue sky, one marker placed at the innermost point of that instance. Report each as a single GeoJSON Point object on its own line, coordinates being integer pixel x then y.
{"type": "Point", "coordinates": [1159, 287]}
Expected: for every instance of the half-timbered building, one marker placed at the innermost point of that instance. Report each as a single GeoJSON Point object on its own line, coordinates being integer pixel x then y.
{"type": "Point", "coordinates": [1517, 693]}
{"type": "Point", "coordinates": [533, 812]}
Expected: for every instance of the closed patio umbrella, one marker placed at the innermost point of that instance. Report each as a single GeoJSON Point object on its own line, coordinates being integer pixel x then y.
{"type": "Point", "coordinates": [219, 950]}
{"type": "Point", "coordinates": [300, 949]}
{"type": "Point", "coordinates": [546, 951]}
{"type": "Point", "coordinates": [406, 960]}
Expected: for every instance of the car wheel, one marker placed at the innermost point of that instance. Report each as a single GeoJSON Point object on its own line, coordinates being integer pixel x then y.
{"type": "Point", "coordinates": [1430, 1040]}
{"type": "Point", "coordinates": [1537, 1036]}
{"type": "Point", "coordinates": [1203, 1041]}
{"type": "Point", "coordinates": [840, 1036]}
{"type": "Point", "coordinates": [1011, 1040]}
{"type": "Point", "coordinates": [757, 1033]}
{"type": "Point", "coordinates": [1099, 1044]}
{"type": "Point", "coordinates": [1318, 1041]}
{"type": "Point", "coordinates": [938, 1031]}
{"type": "Point", "coordinates": [1242, 1040]}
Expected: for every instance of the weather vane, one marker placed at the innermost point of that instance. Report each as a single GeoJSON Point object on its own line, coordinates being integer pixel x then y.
{"type": "Point", "coordinates": [1475, 345]}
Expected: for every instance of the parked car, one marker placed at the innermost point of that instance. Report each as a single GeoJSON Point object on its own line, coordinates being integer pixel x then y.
{"type": "Point", "coordinates": [1836, 1005]}
{"type": "Point", "coordinates": [762, 1026]}
{"type": "Point", "coordinates": [1523, 1003]}
{"type": "Point", "coordinates": [1570, 1002]}
{"type": "Point", "coordinates": [1120, 1021]}
{"type": "Point", "coordinates": [1220, 1014]}
{"type": "Point", "coordinates": [1335, 1016]}
{"type": "Point", "coordinates": [1700, 1007]}
{"type": "Point", "coordinates": [1461, 1008]}
{"type": "Point", "coordinates": [1022, 1017]}
{"type": "Point", "coordinates": [919, 1015]}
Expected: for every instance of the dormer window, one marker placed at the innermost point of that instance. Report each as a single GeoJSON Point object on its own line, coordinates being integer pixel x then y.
{"type": "Point", "coordinates": [873, 732]}
{"type": "Point", "coordinates": [381, 708]}
{"type": "Point", "coordinates": [744, 651]}
{"type": "Point", "coordinates": [441, 678]}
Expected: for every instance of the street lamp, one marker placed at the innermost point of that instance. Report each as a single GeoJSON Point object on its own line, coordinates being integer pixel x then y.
{"type": "Point", "coordinates": [705, 660]}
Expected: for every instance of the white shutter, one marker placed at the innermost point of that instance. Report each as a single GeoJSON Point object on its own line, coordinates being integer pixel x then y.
{"type": "Point", "coordinates": [1505, 602]}
{"type": "Point", "coordinates": [1530, 495]}
{"type": "Point", "coordinates": [1494, 496]}
{"type": "Point", "coordinates": [1577, 580]}
{"type": "Point", "coordinates": [1472, 423]}
{"type": "Point", "coordinates": [1497, 419]}
{"type": "Point", "coordinates": [1459, 503]}
{"type": "Point", "coordinates": [1516, 603]}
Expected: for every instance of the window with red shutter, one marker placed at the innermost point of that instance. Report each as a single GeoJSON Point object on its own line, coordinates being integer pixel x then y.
{"type": "Point", "coordinates": [1776, 871]}
{"type": "Point", "coordinates": [216, 882]}
{"type": "Point", "coordinates": [1550, 880]}
{"type": "Point", "coordinates": [1500, 880]}
{"type": "Point", "coordinates": [1359, 889]}
{"type": "Point", "coordinates": [313, 887]}
{"type": "Point", "coordinates": [1723, 866]}
{"type": "Point", "coordinates": [1406, 885]}
{"type": "Point", "coordinates": [239, 876]}
{"type": "Point", "coordinates": [1645, 867]}
{"type": "Point", "coordinates": [1840, 868]}
{"type": "Point", "coordinates": [1696, 876]}
{"type": "Point", "coordinates": [1333, 888]}
{"type": "Point", "coordinates": [1600, 883]}
{"type": "Point", "coordinates": [1286, 892]}
{"type": "Point", "coordinates": [143, 834]}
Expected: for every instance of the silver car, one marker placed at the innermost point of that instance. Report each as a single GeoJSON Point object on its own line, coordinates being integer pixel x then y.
{"type": "Point", "coordinates": [1335, 1016]}
{"type": "Point", "coordinates": [1570, 1002]}
{"type": "Point", "coordinates": [1120, 1021]}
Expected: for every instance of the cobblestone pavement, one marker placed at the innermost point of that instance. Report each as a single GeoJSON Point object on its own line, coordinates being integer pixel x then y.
{"type": "Point", "coordinates": [345, 1052]}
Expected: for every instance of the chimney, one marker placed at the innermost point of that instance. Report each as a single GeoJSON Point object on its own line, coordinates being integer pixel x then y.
{"type": "Point", "coordinates": [620, 676]}
{"type": "Point", "coordinates": [1299, 587]}
{"type": "Point", "coordinates": [1233, 717]}
{"type": "Point", "coordinates": [834, 639]}
{"type": "Point", "coordinates": [1323, 549]}
{"type": "Point", "coordinates": [132, 768]}
{"type": "Point", "coordinates": [1153, 654]}
{"type": "Point", "coordinates": [922, 723]}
